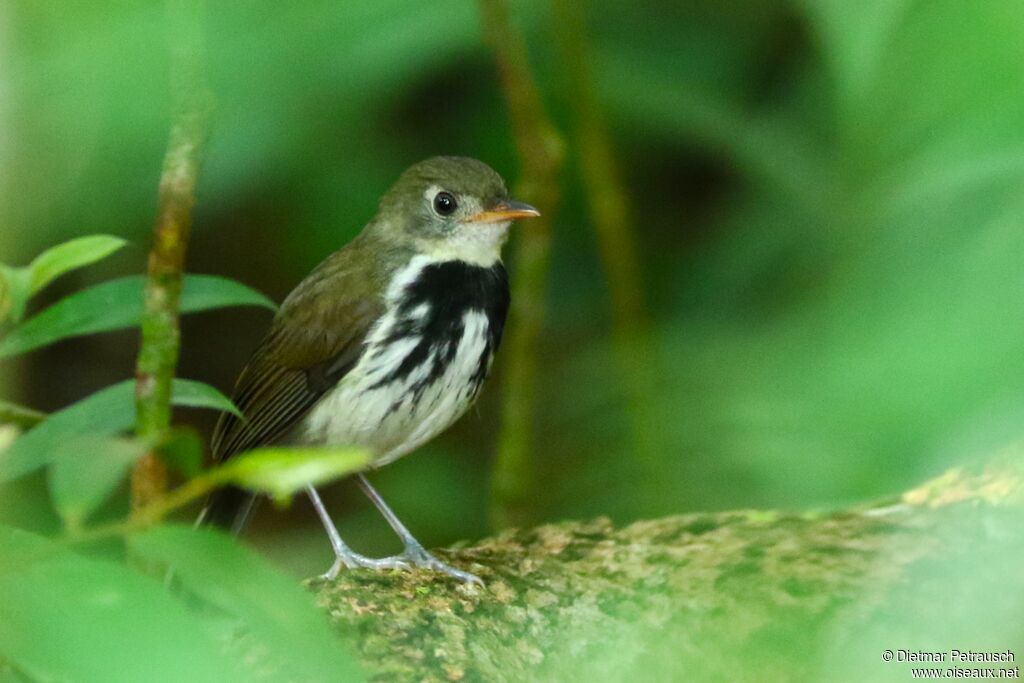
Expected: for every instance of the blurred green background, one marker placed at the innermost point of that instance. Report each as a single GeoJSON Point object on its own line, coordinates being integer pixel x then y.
{"type": "Point", "coordinates": [828, 199]}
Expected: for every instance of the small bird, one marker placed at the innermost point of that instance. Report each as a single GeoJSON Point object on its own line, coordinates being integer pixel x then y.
{"type": "Point", "coordinates": [385, 344]}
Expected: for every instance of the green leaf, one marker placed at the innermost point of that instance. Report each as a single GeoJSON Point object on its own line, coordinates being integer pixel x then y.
{"type": "Point", "coordinates": [183, 452]}
{"type": "Point", "coordinates": [17, 285]}
{"type": "Point", "coordinates": [86, 471]}
{"type": "Point", "coordinates": [277, 612]}
{"type": "Point", "coordinates": [15, 290]}
{"type": "Point", "coordinates": [69, 256]}
{"type": "Point", "coordinates": [8, 674]}
{"type": "Point", "coordinates": [189, 392]}
{"type": "Point", "coordinates": [108, 411]}
{"type": "Point", "coordinates": [67, 618]}
{"type": "Point", "coordinates": [117, 304]}
{"type": "Point", "coordinates": [8, 433]}
{"type": "Point", "coordinates": [19, 416]}
{"type": "Point", "coordinates": [280, 472]}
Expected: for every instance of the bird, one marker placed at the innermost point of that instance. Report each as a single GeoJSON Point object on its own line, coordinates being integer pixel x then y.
{"type": "Point", "coordinates": [384, 345]}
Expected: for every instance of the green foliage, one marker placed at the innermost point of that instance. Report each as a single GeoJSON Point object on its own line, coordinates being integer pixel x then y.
{"type": "Point", "coordinates": [17, 285]}
{"type": "Point", "coordinates": [281, 471]}
{"type": "Point", "coordinates": [841, 328]}
{"type": "Point", "coordinates": [19, 416]}
{"type": "Point", "coordinates": [283, 631]}
{"type": "Point", "coordinates": [146, 632]}
{"type": "Point", "coordinates": [187, 392]}
{"type": "Point", "coordinates": [116, 305]}
{"type": "Point", "coordinates": [142, 625]}
{"type": "Point", "coordinates": [118, 625]}
{"type": "Point", "coordinates": [182, 450]}
{"type": "Point", "coordinates": [86, 471]}
{"type": "Point", "coordinates": [42, 586]}
{"type": "Point", "coordinates": [104, 413]}
{"type": "Point", "coordinates": [275, 609]}
{"type": "Point", "coordinates": [63, 258]}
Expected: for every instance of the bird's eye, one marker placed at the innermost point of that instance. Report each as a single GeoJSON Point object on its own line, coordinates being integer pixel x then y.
{"type": "Point", "coordinates": [444, 204]}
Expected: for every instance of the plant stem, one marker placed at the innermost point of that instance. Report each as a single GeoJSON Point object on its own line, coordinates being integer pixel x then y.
{"type": "Point", "coordinates": [19, 416]}
{"type": "Point", "coordinates": [540, 150]}
{"type": "Point", "coordinates": [154, 511]}
{"type": "Point", "coordinates": [158, 356]}
{"type": "Point", "coordinates": [611, 216]}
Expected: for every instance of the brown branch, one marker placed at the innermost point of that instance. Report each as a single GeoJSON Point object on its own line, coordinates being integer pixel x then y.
{"type": "Point", "coordinates": [158, 355]}
{"type": "Point", "coordinates": [540, 151]}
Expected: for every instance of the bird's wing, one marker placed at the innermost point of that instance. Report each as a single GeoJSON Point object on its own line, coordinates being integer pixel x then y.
{"type": "Point", "coordinates": [315, 340]}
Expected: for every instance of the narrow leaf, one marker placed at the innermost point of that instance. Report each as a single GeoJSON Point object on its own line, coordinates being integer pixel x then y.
{"type": "Point", "coordinates": [15, 290]}
{"type": "Point", "coordinates": [8, 433]}
{"type": "Point", "coordinates": [107, 412]}
{"type": "Point", "coordinates": [6, 296]}
{"type": "Point", "coordinates": [277, 612]}
{"type": "Point", "coordinates": [64, 617]}
{"type": "Point", "coordinates": [69, 256]}
{"type": "Point", "coordinates": [280, 472]}
{"type": "Point", "coordinates": [19, 416]}
{"type": "Point", "coordinates": [87, 470]}
{"type": "Point", "coordinates": [189, 392]}
{"type": "Point", "coordinates": [117, 304]}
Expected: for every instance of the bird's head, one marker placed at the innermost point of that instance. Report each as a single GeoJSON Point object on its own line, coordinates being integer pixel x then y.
{"type": "Point", "coordinates": [451, 208]}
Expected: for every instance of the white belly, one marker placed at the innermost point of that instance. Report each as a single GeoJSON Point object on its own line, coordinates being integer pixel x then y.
{"type": "Point", "coordinates": [392, 419]}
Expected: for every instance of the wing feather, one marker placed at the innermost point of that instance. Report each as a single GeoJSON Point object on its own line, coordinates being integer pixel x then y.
{"type": "Point", "coordinates": [315, 340]}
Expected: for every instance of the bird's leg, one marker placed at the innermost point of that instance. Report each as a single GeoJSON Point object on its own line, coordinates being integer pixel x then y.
{"type": "Point", "coordinates": [414, 552]}
{"type": "Point", "coordinates": [343, 555]}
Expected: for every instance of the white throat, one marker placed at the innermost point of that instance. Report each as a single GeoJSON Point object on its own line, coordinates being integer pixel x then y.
{"type": "Point", "coordinates": [476, 243]}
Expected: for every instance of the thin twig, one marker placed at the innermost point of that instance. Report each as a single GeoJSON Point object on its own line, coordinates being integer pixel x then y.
{"type": "Point", "coordinates": [540, 151]}
{"type": "Point", "coordinates": [612, 218]}
{"type": "Point", "coordinates": [19, 416]}
{"type": "Point", "coordinates": [153, 512]}
{"type": "Point", "coordinates": [158, 356]}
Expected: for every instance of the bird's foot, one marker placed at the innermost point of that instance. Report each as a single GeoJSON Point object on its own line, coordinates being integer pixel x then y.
{"type": "Point", "coordinates": [357, 561]}
{"type": "Point", "coordinates": [412, 556]}
{"type": "Point", "coordinates": [418, 556]}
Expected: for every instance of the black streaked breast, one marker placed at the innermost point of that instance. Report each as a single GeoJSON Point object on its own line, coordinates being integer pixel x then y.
{"type": "Point", "coordinates": [449, 290]}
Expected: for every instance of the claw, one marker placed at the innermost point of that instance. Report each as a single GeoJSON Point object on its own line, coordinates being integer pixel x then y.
{"type": "Point", "coordinates": [357, 561]}
{"type": "Point", "coordinates": [412, 557]}
{"type": "Point", "coordinates": [418, 556]}
{"type": "Point", "coordinates": [332, 573]}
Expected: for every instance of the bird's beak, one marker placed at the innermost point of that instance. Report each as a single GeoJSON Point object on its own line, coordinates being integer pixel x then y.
{"type": "Point", "coordinates": [507, 210]}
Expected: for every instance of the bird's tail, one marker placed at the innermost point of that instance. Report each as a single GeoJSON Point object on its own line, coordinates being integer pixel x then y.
{"type": "Point", "coordinates": [229, 508]}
